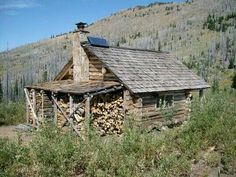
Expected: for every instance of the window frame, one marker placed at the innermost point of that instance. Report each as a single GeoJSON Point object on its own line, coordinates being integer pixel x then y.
{"type": "Point", "coordinates": [169, 101]}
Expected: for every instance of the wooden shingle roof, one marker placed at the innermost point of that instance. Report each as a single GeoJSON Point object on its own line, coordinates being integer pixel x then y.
{"type": "Point", "coordinates": [147, 71]}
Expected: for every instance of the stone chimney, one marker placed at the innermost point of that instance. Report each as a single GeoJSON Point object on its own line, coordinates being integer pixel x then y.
{"type": "Point", "coordinates": [80, 59]}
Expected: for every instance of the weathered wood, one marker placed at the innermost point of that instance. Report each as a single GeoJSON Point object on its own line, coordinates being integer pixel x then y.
{"type": "Point", "coordinates": [34, 105]}
{"type": "Point", "coordinates": [108, 113]}
{"type": "Point", "coordinates": [27, 112]}
{"type": "Point", "coordinates": [54, 97]}
{"type": "Point", "coordinates": [42, 94]}
{"type": "Point", "coordinates": [71, 103]}
{"type": "Point", "coordinates": [107, 90]}
{"type": "Point", "coordinates": [65, 116]}
{"type": "Point", "coordinates": [65, 73]}
{"type": "Point", "coordinates": [87, 107]}
{"type": "Point", "coordinates": [75, 109]}
{"type": "Point", "coordinates": [32, 109]}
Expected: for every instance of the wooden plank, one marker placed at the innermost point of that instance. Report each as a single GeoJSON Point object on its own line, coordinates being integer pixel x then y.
{"type": "Point", "coordinates": [87, 107]}
{"type": "Point", "coordinates": [31, 107]}
{"type": "Point", "coordinates": [66, 69]}
{"type": "Point", "coordinates": [65, 116]}
{"type": "Point", "coordinates": [71, 103]}
{"type": "Point", "coordinates": [27, 112]}
{"type": "Point", "coordinates": [34, 104]}
{"type": "Point", "coordinates": [42, 94]}
{"type": "Point", "coordinates": [54, 97]}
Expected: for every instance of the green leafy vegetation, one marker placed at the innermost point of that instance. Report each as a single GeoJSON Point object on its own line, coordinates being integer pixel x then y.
{"type": "Point", "coordinates": [12, 113]}
{"type": "Point", "coordinates": [135, 153]}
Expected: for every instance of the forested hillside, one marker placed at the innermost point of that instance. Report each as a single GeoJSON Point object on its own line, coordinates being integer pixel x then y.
{"type": "Point", "coordinates": [36, 62]}
{"type": "Point", "coordinates": [201, 33]}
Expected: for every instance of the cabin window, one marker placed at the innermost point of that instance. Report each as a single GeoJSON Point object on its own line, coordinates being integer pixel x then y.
{"type": "Point", "coordinates": [165, 100]}
{"type": "Point", "coordinates": [149, 102]}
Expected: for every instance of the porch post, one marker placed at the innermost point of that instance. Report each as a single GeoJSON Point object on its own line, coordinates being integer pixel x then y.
{"type": "Point", "coordinates": [87, 107]}
{"type": "Point", "coordinates": [27, 107]}
{"type": "Point", "coordinates": [42, 96]}
{"type": "Point", "coordinates": [34, 106]}
{"type": "Point", "coordinates": [54, 97]}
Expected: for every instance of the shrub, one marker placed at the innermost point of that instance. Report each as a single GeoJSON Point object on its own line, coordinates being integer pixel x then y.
{"type": "Point", "coordinates": [135, 153]}
{"type": "Point", "coordinates": [12, 113]}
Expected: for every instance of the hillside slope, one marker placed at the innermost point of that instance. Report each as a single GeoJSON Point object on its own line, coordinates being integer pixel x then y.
{"type": "Point", "coordinates": [201, 33]}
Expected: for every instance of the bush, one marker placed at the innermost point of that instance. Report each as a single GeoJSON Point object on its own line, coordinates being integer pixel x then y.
{"type": "Point", "coordinates": [12, 113]}
{"type": "Point", "coordinates": [135, 153]}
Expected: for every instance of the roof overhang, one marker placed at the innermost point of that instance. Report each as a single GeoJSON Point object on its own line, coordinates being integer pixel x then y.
{"type": "Point", "coordinates": [81, 88]}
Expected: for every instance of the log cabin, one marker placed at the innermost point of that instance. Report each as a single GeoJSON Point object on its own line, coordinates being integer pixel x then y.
{"type": "Point", "coordinates": [108, 85]}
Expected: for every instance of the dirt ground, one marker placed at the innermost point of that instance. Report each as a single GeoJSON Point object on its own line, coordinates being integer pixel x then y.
{"type": "Point", "coordinates": [12, 133]}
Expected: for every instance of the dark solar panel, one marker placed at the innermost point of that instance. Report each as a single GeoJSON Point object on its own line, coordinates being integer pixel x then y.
{"type": "Point", "coordinates": [95, 41]}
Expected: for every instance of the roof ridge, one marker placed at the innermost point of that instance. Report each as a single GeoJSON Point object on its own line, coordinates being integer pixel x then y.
{"type": "Point", "coordinates": [139, 49]}
{"type": "Point", "coordinates": [128, 48]}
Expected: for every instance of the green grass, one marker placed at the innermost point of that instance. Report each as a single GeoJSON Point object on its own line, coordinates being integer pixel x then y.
{"type": "Point", "coordinates": [135, 153]}
{"type": "Point", "coordinates": [12, 113]}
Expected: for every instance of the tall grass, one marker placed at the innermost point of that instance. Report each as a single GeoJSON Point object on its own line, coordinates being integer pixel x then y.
{"type": "Point", "coordinates": [135, 153]}
{"type": "Point", "coordinates": [12, 113]}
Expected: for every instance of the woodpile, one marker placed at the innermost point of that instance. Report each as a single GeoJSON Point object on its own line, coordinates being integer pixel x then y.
{"type": "Point", "coordinates": [43, 106]}
{"type": "Point", "coordinates": [64, 105]}
{"type": "Point", "coordinates": [77, 118]}
{"type": "Point", "coordinates": [107, 114]}
{"type": "Point", "coordinates": [106, 111]}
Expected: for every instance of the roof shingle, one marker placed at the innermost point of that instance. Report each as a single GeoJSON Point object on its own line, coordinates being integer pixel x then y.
{"type": "Point", "coordinates": [147, 71]}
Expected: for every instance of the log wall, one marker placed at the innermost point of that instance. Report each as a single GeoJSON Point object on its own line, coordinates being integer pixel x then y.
{"type": "Point", "coordinates": [132, 105]}
{"type": "Point", "coordinates": [153, 116]}
{"type": "Point", "coordinates": [97, 71]}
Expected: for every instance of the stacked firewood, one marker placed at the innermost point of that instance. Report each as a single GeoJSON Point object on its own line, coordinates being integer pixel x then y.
{"type": "Point", "coordinates": [79, 118]}
{"type": "Point", "coordinates": [107, 114]}
{"type": "Point", "coordinates": [64, 105]}
{"type": "Point", "coordinates": [43, 106]}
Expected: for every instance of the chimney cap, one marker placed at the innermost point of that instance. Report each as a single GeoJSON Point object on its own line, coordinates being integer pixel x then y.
{"type": "Point", "coordinates": [81, 26]}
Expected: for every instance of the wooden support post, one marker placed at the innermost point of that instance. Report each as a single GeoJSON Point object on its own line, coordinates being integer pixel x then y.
{"type": "Point", "coordinates": [31, 107]}
{"type": "Point", "coordinates": [27, 109]}
{"type": "Point", "coordinates": [42, 105]}
{"type": "Point", "coordinates": [76, 108]}
{"type": "Point", "coordinates": [54, 97]}
{"type": "Point", "coordinates": [87, 107]}
{"type": "Point", "coordinates": [138, 108]}
{"type": "Point", "coordinates": [188, 104]}
{"type": "Point", "coordinates": [71, 103]}
{"type": "Point", "coordinates": [34, 105]}
{"type": "Point", "coordinates": [65, 116]}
